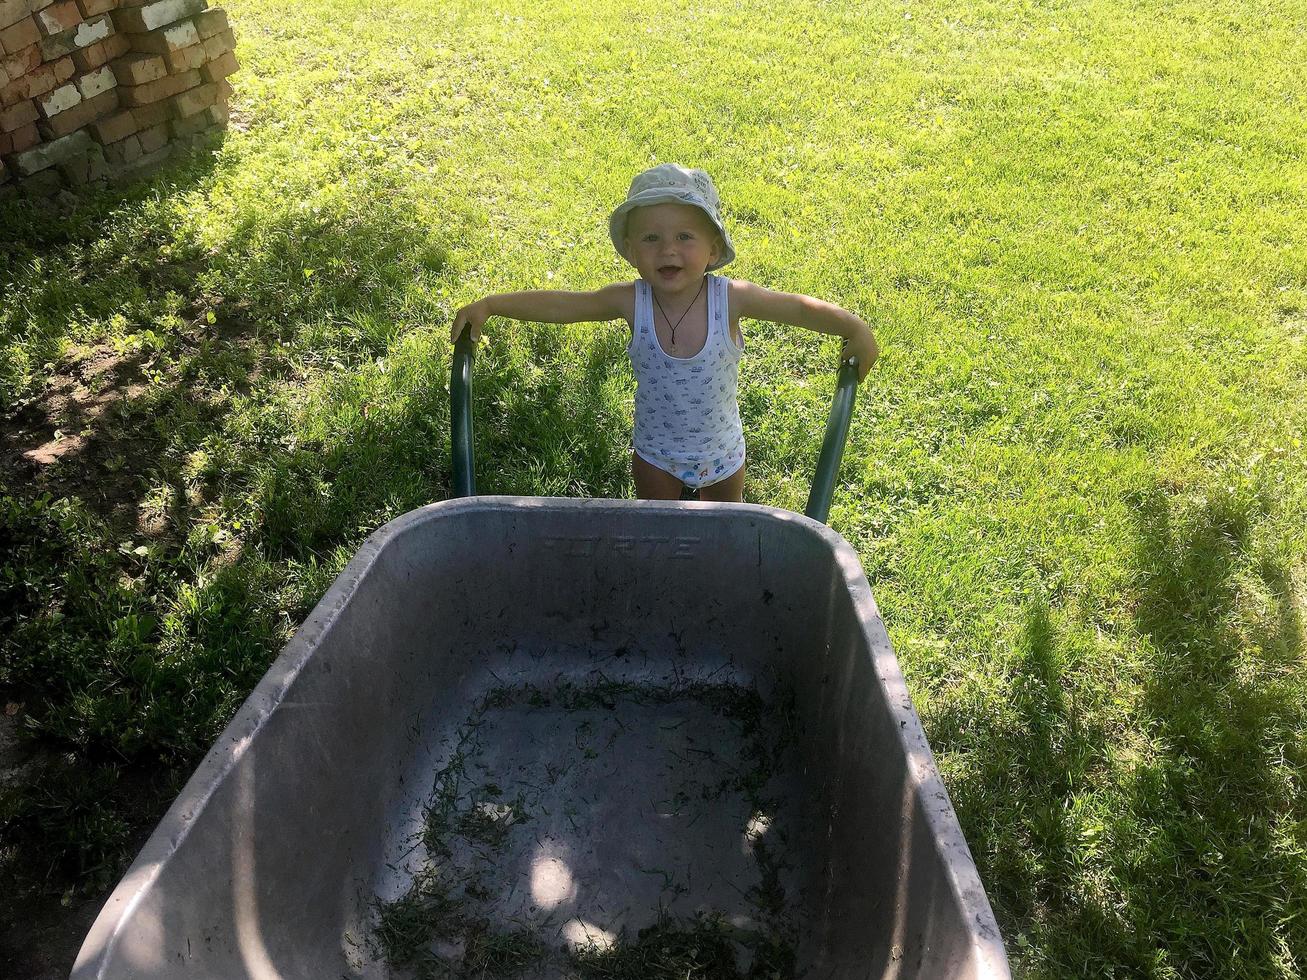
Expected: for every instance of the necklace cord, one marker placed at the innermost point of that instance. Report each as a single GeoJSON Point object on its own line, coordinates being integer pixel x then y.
{"type": "Point", "coordinates": [667, 319]}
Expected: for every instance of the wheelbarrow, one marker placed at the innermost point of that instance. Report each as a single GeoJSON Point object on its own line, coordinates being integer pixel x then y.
{"type": "Point", "coordinates": [538, 737]}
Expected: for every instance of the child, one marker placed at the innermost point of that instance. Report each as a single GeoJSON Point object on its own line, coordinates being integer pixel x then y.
{"type": "Point", "coordinates": [685, 331]}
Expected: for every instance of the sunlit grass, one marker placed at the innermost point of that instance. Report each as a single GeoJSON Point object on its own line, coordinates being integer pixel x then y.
{"type": "Point", "coordinates": [1076, 479]}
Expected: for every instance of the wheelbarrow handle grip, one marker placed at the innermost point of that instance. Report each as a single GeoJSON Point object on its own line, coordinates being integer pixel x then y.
{"type": "Point", "coordinates": [832, 444]}
{"type": "Point", "coordinates": [460, 415]}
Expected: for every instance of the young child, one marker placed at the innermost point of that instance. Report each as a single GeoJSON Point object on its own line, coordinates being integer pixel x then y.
{"type": "Point", "coordinates": [685, 331]}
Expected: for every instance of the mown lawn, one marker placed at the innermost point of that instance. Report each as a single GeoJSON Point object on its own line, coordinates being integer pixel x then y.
{"type": "Point", "coordinates": [1076, 479]}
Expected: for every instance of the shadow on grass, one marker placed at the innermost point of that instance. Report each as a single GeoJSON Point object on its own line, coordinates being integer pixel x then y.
{"type": "Point", "coordinates": [1186, 859]}
{"type": "Point", "coordinates": [1220, 864]}
{"type": "Point", "coordinates": [155, 562]}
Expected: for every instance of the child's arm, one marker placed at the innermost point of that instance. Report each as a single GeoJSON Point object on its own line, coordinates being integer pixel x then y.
{"type": "Point", "coordinates": [758, 303]}
{"type": "Point", "coordinates": [547, 306]}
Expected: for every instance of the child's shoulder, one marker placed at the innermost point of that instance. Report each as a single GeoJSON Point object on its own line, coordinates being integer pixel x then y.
{"type": "Point", "coordinates": [616, 299]}
{"type": "Point", "coordinates": [741, 293]}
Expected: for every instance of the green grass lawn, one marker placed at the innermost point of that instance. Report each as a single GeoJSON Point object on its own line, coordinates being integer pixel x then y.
{"type": "Point", "coordinates": [1076, 479]}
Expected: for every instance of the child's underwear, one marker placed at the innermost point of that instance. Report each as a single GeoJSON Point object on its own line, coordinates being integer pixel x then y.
{"type": "Point", "coordinates": [697, 473]}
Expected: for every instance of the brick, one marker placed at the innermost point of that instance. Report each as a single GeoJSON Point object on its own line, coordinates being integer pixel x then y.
{"type": "Point", "coordinates": [206, 120]}
{"type": "Point", "coordinates": [19, 114]}
{"type": "Point", "coordinates": [114, 128]}
{"type": "Point", "coordinates": [204, 140]}
{"type": "Point", "coordinates": [93, 83]}
{"type": "Point", "coordinates": [219, 44]}
{"type": "Point", "coordinates": [117, 45]}
{"type": "Point", "coordinates": [220, 67]}
{"type": "Point", "coordinates": [44, 184]}
{"type": "Point", "coordinates": [192, 101]}
{"type": "Point", "coordinates": [12, 11]}
{"type": "Point", "coordinates": [139, 68]}
{"type": "Point", "coordinates": [74, 170]}
{"type": "Point", "coordinates": [162, 88]}
{"type": "Point", "coordinates": [144, 165]}
{"type": "Point", "coordinates": [123, 152]}
{"type": "Point", "coordinates": [25, 137]}
{"type": "Point", "coordinates": [186, 58]}
{"type": "Point", "coordinates": [90, 58]}
{"type": "Point", "coordinates": [60, 100]}
{"type": "Point", "coordinates": [15, 37]}
{"type": "Point", "coordinates": [59, 17]}
{"type": "Point", "coordinates": [14, 92]}
{"type": "Point", "coordinates": [79, 116]}
{"type": "Point", "coordinates": [23, 63]}
{"type": "Point", "coordinates": [90, 31]}
{"type": "Point", "coordinates": [57, 100]}
{"type": "Point", "coordinates": [174, 38]}
{"type": "Point", "coordinates": [187, 125]}
{"type": "Point", "coordinates": [152, 114]}
{"type": "Point", "coordinates": [83, 168]}
{"type": "Point", "coordinates": [48, 154]}
{"type": "Point", "coordinates": [93, 8]}
{"type": "Point", "coordinates": [212, 22]}
{"type": "Point", "coordinates": [81, 36]}
{"type": "Point", "coordinates": [49, 77]}
{"type": "Point", "coordinates": [28, 57]}
{"type": "Point", "coordinates": [160, 13]}
{"type": "Point", "coordinates": [153, 138]}
{"type": "Point", "coordinates": [99, 165]}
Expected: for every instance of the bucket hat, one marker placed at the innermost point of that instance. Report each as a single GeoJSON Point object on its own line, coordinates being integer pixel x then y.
{"type": "Point", "coordinates": [670, 183]}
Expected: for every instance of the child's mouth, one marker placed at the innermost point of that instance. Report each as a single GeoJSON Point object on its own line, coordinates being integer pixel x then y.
{"type": "Point", "coordinates": [667, 271]}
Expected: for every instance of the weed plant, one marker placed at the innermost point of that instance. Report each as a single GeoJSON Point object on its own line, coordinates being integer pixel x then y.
{"type": "Point", "coordinates": [1076, 480]}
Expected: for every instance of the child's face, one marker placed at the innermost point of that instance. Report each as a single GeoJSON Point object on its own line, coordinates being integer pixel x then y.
{"type": "Point", "coordinates": [671, 245]}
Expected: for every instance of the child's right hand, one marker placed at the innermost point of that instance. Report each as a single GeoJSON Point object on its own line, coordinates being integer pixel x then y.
{"type": "Point", "coordinates": [472, 317]}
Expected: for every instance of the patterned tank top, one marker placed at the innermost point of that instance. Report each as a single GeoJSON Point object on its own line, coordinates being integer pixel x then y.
{"type": "Point", "coordinates": [687, 418]}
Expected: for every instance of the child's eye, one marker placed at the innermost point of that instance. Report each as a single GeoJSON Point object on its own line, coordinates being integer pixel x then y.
{"type": "Point", "coordinates": [686, 236]}
{"type": "Point", "coordinates": [651, 237]}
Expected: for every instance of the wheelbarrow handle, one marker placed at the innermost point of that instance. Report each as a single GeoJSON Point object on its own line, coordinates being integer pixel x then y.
{"type": "Point", "coordinates": [460, 415]}
{"type": "Point", "coordinates": [823, 481]}
{"type": "Point", "coordinates": [832, 444]}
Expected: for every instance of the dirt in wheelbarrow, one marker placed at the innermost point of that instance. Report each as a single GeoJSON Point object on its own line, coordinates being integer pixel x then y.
{"type": "Point", "coordinates": [606, 829]}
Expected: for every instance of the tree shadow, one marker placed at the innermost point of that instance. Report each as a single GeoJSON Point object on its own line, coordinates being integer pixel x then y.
{"type": "Point", "coordinates": [1030, 764]}
{"type": "Point", "coordinates": [1185, 857]}
{"type": "Point", "coordinates": [1220, 857]}
{"type": "Point", "coordinates": [134, 618]}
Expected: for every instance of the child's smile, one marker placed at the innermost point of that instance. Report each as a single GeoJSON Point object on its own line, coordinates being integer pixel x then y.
{"type": "Point", "coordinates": [671, 246]}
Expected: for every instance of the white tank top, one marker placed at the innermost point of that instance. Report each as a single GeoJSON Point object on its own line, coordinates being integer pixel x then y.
{"type": "Point", "coordinates": [687, 418]}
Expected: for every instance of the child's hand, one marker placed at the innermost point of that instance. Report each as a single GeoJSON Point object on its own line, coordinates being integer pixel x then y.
{"type": "Point", "coordinates": [472, 317]}
{"type": "Point", "coordinates": [862, 345]}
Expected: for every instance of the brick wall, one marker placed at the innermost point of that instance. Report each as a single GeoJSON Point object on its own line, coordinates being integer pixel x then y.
{"type": "Point", "coordinates": [103, 89]}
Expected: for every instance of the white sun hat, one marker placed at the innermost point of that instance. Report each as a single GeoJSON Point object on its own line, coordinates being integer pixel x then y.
{"type": "Point", "coordinates": [670, 183]}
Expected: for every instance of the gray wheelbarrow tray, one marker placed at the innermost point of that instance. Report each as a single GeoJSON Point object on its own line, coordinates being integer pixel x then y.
{"type": "Point", "coordinates": [467, 631]}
